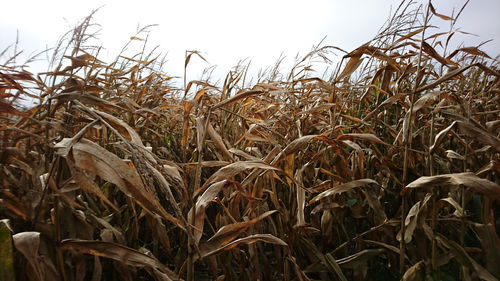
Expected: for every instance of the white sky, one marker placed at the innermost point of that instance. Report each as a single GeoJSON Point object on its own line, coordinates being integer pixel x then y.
{"type": "Point", "coordinates": [226, 31]}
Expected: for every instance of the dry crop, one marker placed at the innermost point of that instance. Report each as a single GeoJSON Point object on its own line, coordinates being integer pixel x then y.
{"type": "Point", "coordinates": [388, 169]}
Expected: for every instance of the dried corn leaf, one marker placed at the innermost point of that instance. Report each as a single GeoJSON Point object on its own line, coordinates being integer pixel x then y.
{"type": "Point", "coordinates": [453, 155]}
{"type": "Point", "coordinates": [407, 36]}
{"type": "Point", "coordinates": [426, 100]}
{"type": "Point", "coordinates": [470, 50]}
{"type": "Point", "coordinates": [92, 158]}
{"type": "Point", "coordinates": [119, 253]}
{"type": "Point", "coordinates": [455, 73]}
{"type": "Point", "coordinates": [89, 98]}
{"type": "Point", "coordinates": [66, 144]}
{"type": "Point", "coordinates": [229, 232]}
{"type": "Point", "coordinates": [301, 200]}
{"type": "Point", "coordinates": [236, 98]}
{"type": "Point", "coordinates": [479, 134]}
{"type": "Point", "coordinates": [470, 180]}
{"type": "Point", "coordinates": [472, 131]}
{"type": "Point", "coordinates": [431, 52]}
{"type": "Point", "coordinates": [412, 219]}
{"type": "Point", "coordinates": [433, 10]}
{"type": "Point", "coordinates": [359, 259]}
{"type": "Point", "coordinates": [491, 247]}
{"type": "Point", "coordinates": [268, 238]}
{"type": "Point", "coordinates": [452, 202]}
{"type": "Point", "coordinates": [289, 164]}
{"type": "Point", "coordinates": [201, 204]}
{"type": "Point", "coordinates": [374, 202]}
{"type": "Point", "coordinates": [88, 185]}
{"type": "Point", "coordinates": [333, 264]}
{"type": "Point", "coordinates": [200, 129]}
{"type": "Point", "coordinates": [7, 108]}
{"type": "Point", "coordinates": [123, 128]}
{"type": "Point", "coordinates": [294, 146]}
{"type": "Point", "coordinates": [342, 188]}
{"type": "Point", "coordinates": [186, 130]}
{"type": "Point", "coordinates": [301, 275]}
{"type": "Point", "coordinates": [14, 204]}
{"type": "Point", "coordinates": [190, 54]}
{"type": "Point", "coordinates": [83, 60]}
{"type": "Point", "coordinates": [463, 258]}
{"type": "Point", "coordinates": [28, 243]}
{"type": "Point", "coordinates": [328, 260]}
{"type": "Point", "coordinates": [233, 169]}
{"type": "Point", "coordinates": [385, 245]}
{"type": "Point", "coordinates": [493, 165]}
{"type": "Point", "coordinates": [368, 137]}
{"type": "Point", "coordinates": [415, 273]}
{"type": "Point", "coordinates": [351, 66]}
{"type": "Point", "coordinates": [219, 142]}
{"type": "Point", "coordinates": [439, 137]}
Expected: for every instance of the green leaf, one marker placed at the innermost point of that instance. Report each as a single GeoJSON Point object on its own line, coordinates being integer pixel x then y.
{"type": "Point", "coordinates": [351, 202]}
{"type": "Point", "coordinates": [6, 261]}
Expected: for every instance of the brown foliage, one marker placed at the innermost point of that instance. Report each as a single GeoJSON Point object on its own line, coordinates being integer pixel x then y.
{"type": "Point", "coordinates": [117, 174]}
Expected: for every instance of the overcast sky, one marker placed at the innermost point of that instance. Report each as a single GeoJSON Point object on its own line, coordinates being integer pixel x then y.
{"type": "Point", "coordinates": [226, 31]}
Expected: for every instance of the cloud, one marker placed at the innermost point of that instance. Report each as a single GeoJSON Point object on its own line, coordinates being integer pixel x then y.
{"type": "Point", "coordinates": [227, 31]}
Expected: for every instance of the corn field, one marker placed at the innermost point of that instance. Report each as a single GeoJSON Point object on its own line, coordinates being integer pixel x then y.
{"type": "Point", "coordinates": [387, 168]}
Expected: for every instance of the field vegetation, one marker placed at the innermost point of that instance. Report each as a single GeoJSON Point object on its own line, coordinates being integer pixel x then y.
{"type": "Point", "coordinates": [385, 168]}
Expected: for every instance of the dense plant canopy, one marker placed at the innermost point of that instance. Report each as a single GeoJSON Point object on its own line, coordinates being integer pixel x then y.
{"type": "Point", "coordinates": [387, 168]}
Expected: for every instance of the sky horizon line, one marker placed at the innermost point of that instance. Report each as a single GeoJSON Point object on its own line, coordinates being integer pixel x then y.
{"type": "Point", "coordinates": [260, 43]}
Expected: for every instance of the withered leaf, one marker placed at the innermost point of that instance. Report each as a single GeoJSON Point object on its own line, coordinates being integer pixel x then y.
{"type": "Point", "coordinates": [470, 180]}
{"type": "Point", "coordinates": [463, 258]}
{"type": "Point", "coordinates": [294, 146]}
{"type": "Point", "coordinates": [470, 50]}
{"type": "Point", "coordinates": [415, 272]}
{"type": "Point", "coordinates": [368, 137]}
{"type": "Point", "coordinates": [233, 169]}
{"type": "Point", "coordinates": [229, 232]}
{"type": "Point", "coordinates": [94, 159]}
{"type": "Point", "coordinates": [351, 66]}
{"type": "Point", "coordinates": [360, 258]}
{"type": "Point", "coordinates": [119, 253]}
{"type": "Point", "coordinates": [491, 246]}
{"type": "Point", "coordinates": [433, 10]}
{"type": "Point", "coordinates": [123, 128]}
{"type": "Point", "coordinates": [219, 143]}
{"type": "Point", "coordinates": [202, 203]}
{"type": "Point", "coordinates": [268, 238]}
{"type": "Point", "coordinates": [28, 243]}
{"type": "Point", "coordinates": [342, 188]}
{"type": "Point", "coordinates": [237, 97]}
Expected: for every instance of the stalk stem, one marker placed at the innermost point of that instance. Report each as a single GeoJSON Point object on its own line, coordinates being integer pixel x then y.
{"type": "Point", "coordinates": [407, 143]}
